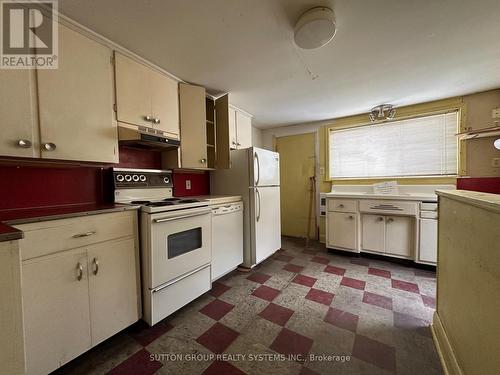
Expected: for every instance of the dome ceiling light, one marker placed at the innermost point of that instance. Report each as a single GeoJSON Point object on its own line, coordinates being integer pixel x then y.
{"type": "Point", "coordinates": [382, 112]}
{"type": "Point", "coordinates": [315, 28]}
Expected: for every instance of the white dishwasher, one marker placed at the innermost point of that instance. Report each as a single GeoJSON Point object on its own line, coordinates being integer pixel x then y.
{"type": "Point", "coordinates": [227, 238]}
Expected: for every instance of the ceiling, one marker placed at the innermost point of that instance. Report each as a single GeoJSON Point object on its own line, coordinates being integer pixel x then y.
{"type": "Point", "coordinates": [385, 51]}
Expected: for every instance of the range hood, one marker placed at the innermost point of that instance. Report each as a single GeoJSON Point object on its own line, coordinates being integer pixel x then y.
{"type": "Point", "coordinates": [143, 137]}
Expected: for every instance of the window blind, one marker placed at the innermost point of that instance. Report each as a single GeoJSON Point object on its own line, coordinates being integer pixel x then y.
{"type": "Point", "coordinates": [424, 146]}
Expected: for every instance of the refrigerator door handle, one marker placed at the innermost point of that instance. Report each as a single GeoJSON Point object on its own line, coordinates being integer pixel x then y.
{"type": "Point", "coordinates": [257, 192]}
{"type": "Point", "coordinates": [256, 156]}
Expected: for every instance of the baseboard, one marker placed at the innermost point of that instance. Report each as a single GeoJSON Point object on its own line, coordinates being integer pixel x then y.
{"type": "Point", "coordinates": [444, 348]}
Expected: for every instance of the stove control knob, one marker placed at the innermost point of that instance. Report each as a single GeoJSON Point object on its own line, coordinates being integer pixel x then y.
{"type": "Point", "coordinates": [119, 177]}
{"type": "Point", "coordinates": [135, 178]}
{"type": "Point", "coordinates": [128, 178]}
{"type": "Point", "coordinates": [142, 178]}
{"type": "Point", "coordinates": [166, 180]}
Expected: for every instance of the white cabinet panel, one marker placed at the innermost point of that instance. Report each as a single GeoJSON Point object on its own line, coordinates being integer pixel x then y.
{"type": "Point", "coordinates": [373, 233]}
{"type": "Point", "coordinates": [76, 102]}
{"type": "Point", "coordinates": [165, 103]}
{"type": "Point", "coordinates": [428, 240]}
{"type": "Point", "coordinates": [233, 144]}
{"type": "Point", "coordinates": [113, 287]}
{"type": "Point", "coordinates": [56, 310]}
{"type": "Point", "coordinates": [342, 230]}
{"type": "Point", "coordinates": [399, 235]}
{"type": "Point", "coordinates": [267, 225]}
{"type": "Point", "coordinates": [243, 130]}
{"type": "Point", "coordinates": [18, 114]}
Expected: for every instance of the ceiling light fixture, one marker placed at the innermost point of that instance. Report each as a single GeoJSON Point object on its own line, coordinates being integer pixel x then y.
{"type": "Point", "coordinates": [497, 144]}
{"type": "Point", "coordinates": [382, 112]}
{"type": "Point", "coordinates": [315, 28]}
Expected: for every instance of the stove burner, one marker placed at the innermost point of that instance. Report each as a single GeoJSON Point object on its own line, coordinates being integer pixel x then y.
{"type": "Point", "coordinates": [140, 202]}
{"type": "Point", "coordinates": [171, 199]}
{"type": "Point", "coordinates": [189, 201]}
{"type": "Point", "coordinates": [159, 204]}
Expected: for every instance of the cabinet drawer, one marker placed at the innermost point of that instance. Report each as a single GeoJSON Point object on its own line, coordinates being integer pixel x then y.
{"type": "Point", "coordinates": [429, 214]}
{"type": "Point", "coordinates": [52, 236]}
{"type": "Point", "coordinates": [342, 205]}
{"type": "Point", "coordinates": [428, 206]}
{"type": "Point", "coordinates": [388, 207]}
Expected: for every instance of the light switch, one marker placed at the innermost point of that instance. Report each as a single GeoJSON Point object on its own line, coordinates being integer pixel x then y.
{"type": "Point", "coordinates": [188, 184]}
{"type": "Point", "coordinates": [495, 113]}
{"type": "Point", "coordinates": [495, 162]}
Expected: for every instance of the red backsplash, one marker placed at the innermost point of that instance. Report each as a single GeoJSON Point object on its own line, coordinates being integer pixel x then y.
{"type": "Point", "coordinates": [482, 184]}
{"type": "Point", "coordinates": [27, 186]}
{"type": "Point", "coordinates": [200, 183]}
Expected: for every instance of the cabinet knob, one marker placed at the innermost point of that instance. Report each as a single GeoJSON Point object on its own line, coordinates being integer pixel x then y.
{"type": "Point", "coordinates": [148, 118]}
{"type": "Point", "coordinates": [390, 220]}
{"type": "Point", "coordinates": [24, 143]}
{"type": "Point", "coordinates": [239, 144]}
{"type": "Point", "coordinates": [203, 161]}
{"type": "Point", "coordinates": [95, 266]}
{"type": "Point", "coordinates": [156, 120]}
{"type": "Point", "coordinates": [341, 205]}
{"type": "Point", "coordinates": [79, 271]}
{"type": "Point", "coordinates": [49, 146]}
{"type": "Point", "coordinates": [351, 217]}
{"type": "Point", "coordinates": [380, 218]}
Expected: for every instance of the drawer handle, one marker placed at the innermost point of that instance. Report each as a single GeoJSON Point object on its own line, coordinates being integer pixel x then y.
{"type": "Point", "coordinates": [95, 266]}
{"type": "Point", "coordinates": [341, 205]}
{"type": "Point", "coordinates": [80, 235]}
{"type": "Point", "coordinates": [79, 271]}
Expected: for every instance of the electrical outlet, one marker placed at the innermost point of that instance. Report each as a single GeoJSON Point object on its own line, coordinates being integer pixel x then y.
{"type": "Point", "coordinates": [495, 113]}
{"type": "Point", "coordinates": [188, 184]}
{"type": "Point", "coordinates": [321, 171]}
{"type": "Point", "coordinates": [495, 162]}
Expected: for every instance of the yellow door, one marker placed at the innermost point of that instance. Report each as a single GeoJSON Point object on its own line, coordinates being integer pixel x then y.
{"type": "Point", "coordinates": [297, 161]}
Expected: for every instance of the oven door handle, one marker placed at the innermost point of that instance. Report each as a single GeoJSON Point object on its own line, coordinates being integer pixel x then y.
{"type": "Point", "coordinates": [164, 219]}
{"type": "Point", "coordinates": [167, 284]}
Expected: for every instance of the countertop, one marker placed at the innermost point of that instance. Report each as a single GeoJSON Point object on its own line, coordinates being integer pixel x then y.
{"type": "Point", "coordinates": [8, 218]}
{"type": "Point", "coordinates": [399, 197]}
{"type": "Point", "coordinates": [218, 199]}
{"type": "Point", "coordinates": [487, 201]}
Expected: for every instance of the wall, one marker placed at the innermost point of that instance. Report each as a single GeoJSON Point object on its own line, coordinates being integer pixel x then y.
{"type": "Point", "coordinates": [257, 140]}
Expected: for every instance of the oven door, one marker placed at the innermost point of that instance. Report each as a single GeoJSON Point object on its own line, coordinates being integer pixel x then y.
{"type": "Point", "coordinates": [180, 243]}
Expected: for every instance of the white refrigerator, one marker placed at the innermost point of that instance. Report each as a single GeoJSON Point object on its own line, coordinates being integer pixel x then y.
{"type": "Point", "coordinates": [255, 175]}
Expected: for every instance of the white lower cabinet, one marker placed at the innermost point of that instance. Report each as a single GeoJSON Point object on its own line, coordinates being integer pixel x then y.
{"type": "Point", "coordinates": [428, 241]}
{"type": "Point", "coordinates": [373, 233]}
{"type": "Point", "coordinates": [73, 299]}
{"type": "Point", "coordinates": [342, 230]}
{"type": "Point", "coordinates": [392, 235]}
{"type": "Point", "coordinates": [56, 310]}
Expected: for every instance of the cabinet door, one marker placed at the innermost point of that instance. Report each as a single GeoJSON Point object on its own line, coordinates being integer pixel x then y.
{"type": "Point", "coordinates": [76, 102]}
{"type": "Point", "coordinates": [133, 92]}
{"type": "Point", "coordinates": [193, 126]}
{"type": "Point", "coordinates": [17, 113]}
{"type": "Point", "coordinates": [399, 235]}
{"type": "Point", "coordinates": [233, 144]}
{"type": "Point", "coordinates": [342, 230]}
{"type": "Point", "coordinates": [56, 310]}
{"type": "Point", "coordinates": [113, 285]}
{"type": "Point", "coordinates": [222, 132]}
{"type": "Point", "coordinates": [428, 240]}
{"type": "Point", "coordinates": [165, 103]}
{"type": "Point", "coordinates": [243, 130]}
{"type": "Point", "coordinates": [373, 233]}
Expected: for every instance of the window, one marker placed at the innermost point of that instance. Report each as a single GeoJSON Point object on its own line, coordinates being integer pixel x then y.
{"type": "Point", "coordinates": [424, 146]}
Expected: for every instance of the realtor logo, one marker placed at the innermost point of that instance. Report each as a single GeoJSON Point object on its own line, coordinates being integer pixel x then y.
{"type": "Point", "coordinates": [29, 34]}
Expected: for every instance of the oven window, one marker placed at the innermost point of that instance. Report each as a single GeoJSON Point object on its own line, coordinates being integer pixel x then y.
{"type": "Point", "coordinates": [183, 242]}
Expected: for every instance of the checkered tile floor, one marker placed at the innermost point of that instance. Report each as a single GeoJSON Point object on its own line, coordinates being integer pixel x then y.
{"type": "Point", "coordinates": [356, 315]}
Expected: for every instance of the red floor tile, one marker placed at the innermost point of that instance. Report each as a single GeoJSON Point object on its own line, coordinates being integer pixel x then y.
{"type": "Point", "coordinates": [145, 334]}
{"type": "Point", "coordinates": [379, 272]}
{"type": "Point", "coordinates": [283, 258]}
{"type": "Point", "coordinates": [342, 319]}
{"type": "Point", "coordinates": [405, 285]}
{"type": "Point", "coordinates": [304, 280]}
{"type": "Point", "coordinates": [334, 270]}
{"type": "Point", "coordinates": [374, 352]}
{"type": "Point", "coordinates": [139, 363]}
{"type": "Point", "coordinates": [320, 260]}
{"type": "Point", "coordinates": [320, 296]}
{"type": "Point", "coordinates": [276, 314]}
{"type": "Point", "coordinates": [291, 343]}
{"type": "Point", "coordinates": [217, 338]}
{"type": "Point", "coordinates": [218, 289]}
{"type": "Point", "coordinates": [266, 293]}
{"type": "Point", "coordinates": [360, 262]}
{"type": "Point", "coordinates": [353, 283]}
{"type": "Point", "coordinates": [222, 368]}
{"type": "Point", "coordinates": [217, 309]}
{"type": "Point", "coordinates": [293, 268]}
{"type": "Point", "coordinates": [429, 301]}
{"type": "Point", "coordinates": [377, 300]}
{"type": "Point", "coordinates": [258, 277]}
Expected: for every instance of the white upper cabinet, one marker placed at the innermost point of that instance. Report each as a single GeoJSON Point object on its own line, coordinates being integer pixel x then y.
{"type": "Point", "coordinates": [76, 102]}
{"type": "Point", "coordinates": [233, 143]}
{"type": "Point", "coordinates": [146, 97]}
{"type": "Point", "coordinates": [18, 113]}
{"type": "Point", "coordinates": [243, 130]}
